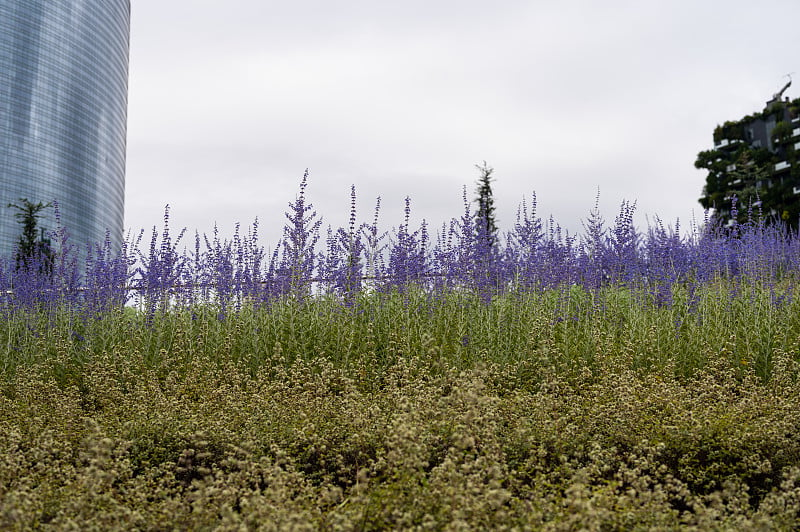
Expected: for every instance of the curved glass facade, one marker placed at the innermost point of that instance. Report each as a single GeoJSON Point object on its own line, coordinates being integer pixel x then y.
{"type": "Point", "coordinates": [63, 112]}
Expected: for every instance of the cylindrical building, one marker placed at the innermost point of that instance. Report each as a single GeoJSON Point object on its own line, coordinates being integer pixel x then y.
{"type": "Point", "coordinates": [63, 112]}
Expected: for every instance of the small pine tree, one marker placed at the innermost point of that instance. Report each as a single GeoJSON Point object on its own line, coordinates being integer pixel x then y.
{"type": "Point", "coordinates": [32, 247]}
{"type": "Point", "coordinates": [485, 217]}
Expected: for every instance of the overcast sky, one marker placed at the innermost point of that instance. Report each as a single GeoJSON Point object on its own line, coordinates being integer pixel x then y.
{"type": "Point", "coordinates": [231, 101]}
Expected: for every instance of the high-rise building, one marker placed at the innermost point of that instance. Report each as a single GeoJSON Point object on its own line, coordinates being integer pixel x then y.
{"type": "Point", "coordinates": [63, 114]}
{"type": "Point", "coordinates": [754, 160]}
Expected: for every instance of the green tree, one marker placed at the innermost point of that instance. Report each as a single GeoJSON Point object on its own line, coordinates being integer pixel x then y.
{"type": "Point", "coordinates": [751, 171]}
{"type": "Point", "coordinates": [32, 243]}
{"type": "Point", "coordinates": [746, 175]}
{"type": "Point", "coordinates": [485, 220]}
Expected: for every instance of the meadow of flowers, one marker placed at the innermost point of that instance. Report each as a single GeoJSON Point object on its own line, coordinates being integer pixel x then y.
{"type": "Point", "coordinates": [421, 378]}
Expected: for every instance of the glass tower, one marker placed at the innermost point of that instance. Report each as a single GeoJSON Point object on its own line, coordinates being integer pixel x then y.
{"type": "Point", "coordinates": [63, 112]}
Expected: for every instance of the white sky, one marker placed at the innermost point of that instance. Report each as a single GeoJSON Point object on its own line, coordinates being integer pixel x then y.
{"type": "Point", "coordinates": [231, 101]}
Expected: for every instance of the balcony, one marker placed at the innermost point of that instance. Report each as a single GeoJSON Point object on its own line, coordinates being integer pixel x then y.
{"type": "Point", "coordinates": [783, 165]}
{"type": "Point", "coordinates": [796, 190]}
{"type": "Point", "coordinates": [730, 168]}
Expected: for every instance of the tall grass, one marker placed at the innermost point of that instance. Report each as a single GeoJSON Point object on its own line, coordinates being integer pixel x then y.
{"type": "Point", "coordinates": [569, 329]}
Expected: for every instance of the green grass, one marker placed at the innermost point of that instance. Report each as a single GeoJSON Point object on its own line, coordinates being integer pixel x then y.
{"type": "Point", "coordinates": [553, 410]}
{"type": "Point", "coordinates": [570, 329]}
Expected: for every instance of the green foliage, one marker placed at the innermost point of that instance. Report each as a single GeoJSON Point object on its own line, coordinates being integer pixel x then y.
{"type": "Point", "coordinates": [485, 200]}
{"type": "Point", "coordinates": [775, 191]}
{"type": "Point", "coordinates": [549, 411]}
{"type": "Point", "coordinates": [32, 246]}
{"type": "Point", "coordinates": [730, 130]}
{"type": "Point", "coordinates": [708, 160]}
{"type": "Point", "coordinates": [781, 131]}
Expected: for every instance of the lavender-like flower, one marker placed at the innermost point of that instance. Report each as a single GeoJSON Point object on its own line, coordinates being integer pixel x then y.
{"type": "Point", "coordinates": [300, 236]}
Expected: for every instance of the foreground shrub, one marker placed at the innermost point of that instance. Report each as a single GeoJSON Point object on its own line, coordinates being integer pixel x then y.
{"type": "Point", "coordinates": [199, 442]}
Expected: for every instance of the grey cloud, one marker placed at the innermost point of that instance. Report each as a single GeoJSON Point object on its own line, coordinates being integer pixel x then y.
{"type": "Point", "coordinates": [231, 102]}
